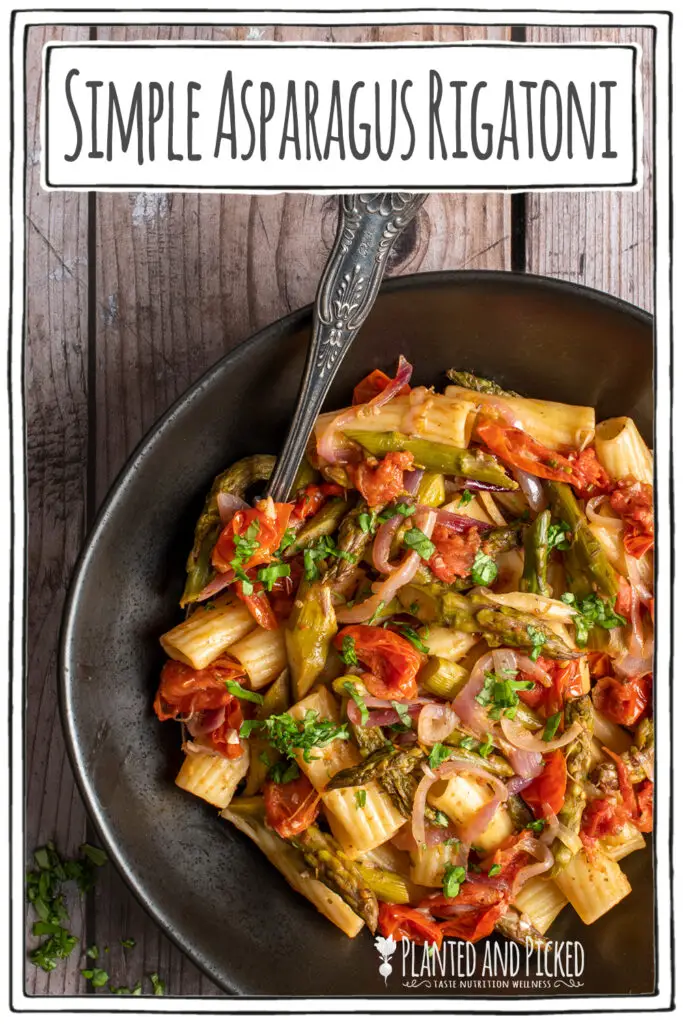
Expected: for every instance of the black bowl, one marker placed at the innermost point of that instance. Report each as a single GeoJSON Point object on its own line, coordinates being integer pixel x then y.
{"type": "Point", "coordinates": [207, 885]}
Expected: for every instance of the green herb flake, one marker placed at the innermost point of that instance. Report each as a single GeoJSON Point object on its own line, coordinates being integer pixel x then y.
{"type": "Point", "coordinates": [410, 634]}
{"type": "Point", "coordinates": [486, 748]}
{"type": "Point", "coordinates": [361, 797]}
{"type": "Point", "coordinates": [559, 536]}
{"type": "Point", "coordinates": [376, 614]}
{"type": "Point", "coordinates": [128, 943]}
{"type": "Point", "coordinates": [494, 870]}
{"type": "Point", "coordinates": [438, 754]}
{"type": "Point", "coordinates": [289, 735]}
{"type": "Point", "coordinates": [358, 700]}
{"type": "Point", "coordinates": [454, 875]}
{"type": "Point", "coordinates": [484, 569]}
{"type": "Point", "coordinates": [94, 854]}
{"type": "Point", "coordinates": [270, 573]}
{"type": "Point", "coordinates": [236, 690]}
{"type": "Point", "coordinates": [96, 976]}
{"type": "Point", "coordinates": [465, 498]}
{"type": "Point", "coordinates": [284, 771]}
{"type": "Point", "coordinates": [92, 952]}
{"type": "Point", "coordinates": [418, 541]}
{"type": "Point", "coordinates": [348, 651]}
{"type": "Point", "coordinates": [538, 638]}
{"type": "Point", "coordinates": [468, 743]}
{"type": "Point", "coordinates": [538, 825]}
{"type": "Point", "coordinates": [158, 986]}
{"type": "Point", "coordinates": [499, 694]}
{"type": "Point", "coordinates": [402, 712]}
{"type": "Point", "coordinates": [551, 727]}
{"type": "Point", "coordinates": [592, 611]}
{"type": "Point", "coordinates": [441, 819]}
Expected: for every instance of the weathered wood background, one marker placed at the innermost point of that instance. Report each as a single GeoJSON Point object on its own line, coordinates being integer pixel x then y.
{"type": "Point", "coordinates": [130, 297]}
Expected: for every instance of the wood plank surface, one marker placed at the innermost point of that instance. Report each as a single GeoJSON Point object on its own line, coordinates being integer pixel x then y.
{"type": "Point", "coordinates": [602, 239]}
{"type": "Point", "coordinates": [182, 279]}
{"type": "Point", "coordinates": [57, 437]}
{"type": "Point", "coordinates": [179, 280]}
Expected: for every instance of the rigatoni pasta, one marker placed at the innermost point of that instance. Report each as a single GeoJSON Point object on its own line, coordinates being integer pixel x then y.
{"type": "Point", "coordinates": [423, 685]}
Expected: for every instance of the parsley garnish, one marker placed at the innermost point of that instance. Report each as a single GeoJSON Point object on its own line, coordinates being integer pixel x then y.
{"type": "Point", "coordinates": [282, 772]}
{"type": "Point", "coordinates": [96, 975]}
{"type": "Point", "coordinates": [592, 611]}
{"type": "Point", "coordinates": [468, 742]}
{"type": "Point", "coordinates": [128, 943]}
{"type": "Point", "coordinates": [551, 727]}
{"type": "Point", "coordinates": [559, 536]}
{"type": "Point", "coordinates": [400, 509]}
{"type": "Point", "coordinates": [236, 690]}
{"type": "Point", "coordinates": [322, 549]}
{"type": "Point", "coordinates": [438, 754]}
{"type": "Point", "coordinates": [357, 699]}
{"type": "Point", "coordinates": [270, 573]}
{"type": "Point", "coordinates": [418, 541]}
{"type": "Point", "coordinates": [453, 875]}
{"type": "Point", "coordinates": [538, 638]}
{"type": "Point", "coordinates": [367, 521]}
{"type": "Point", "coordinates": [288, 735]}
{"type": "Point", "coordinates": [414, 608]}
{"type": "Point", "coordinates": [441, 819]}
{"type": "Point", "coordinates": [376, 614]}
{"type": "Point", "coordinates": [402, 712]}
{"type": "Point", "coordinates": [486, 748]}
{"type": "Point", "coordinates": [158, 986]}
{"type": "Point", "coordinates": [410, 634]}
{"type": "Point", "coordinates": [288, 537]}
{"type": "Point", "coordinates": [348, 651]}
{"type": "Point", "coordinates": [499, 694]}
{"type": "Point", "coordinates": [246, 545]}
{"type": "Point", "coordinates": [484, 569]}
{"type": "Point", "coordinates": [465, 498]}
{"type": "Point", "coordinates": [123, 990]}
{"type": "Point", "coordinates": [538, 825]}
{"type": "Point", "coordinates": [92, 952]}
{"type": "Point", "coordinates": [495, 869]}
{"type": "Point", "coordinates": [360, 798]}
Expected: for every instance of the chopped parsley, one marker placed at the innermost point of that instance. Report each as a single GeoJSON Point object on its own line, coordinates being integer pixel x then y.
{"type": "Point", "coordinates": [357, 699]}
{"type": "Point", "coordinates": [410, 634]}
{"type": "Point", "coordinates": [484, 569]}
{"type": "Point", "coordinates": [559, 536]}
{"type": "Point", "coordinates": [282, 772]}
{"type": "Point", "coordinates": [288, 537]}
{"type": "Point", "coordinates": [123, 990]}
{"type": "Point", "coordinates": [233, 687]}
{"type": "Point", "coordinates": [486, 748]}
{"type": "Point", "coordinates": [96, 856]}
{"type": "Point", "coordinates": [270, 573]}
{"type": "Point", "coordinates": [400, 509]}
{"type": "Point", "coordinates": [468, 743]}
{"type": "Point", "coordinates": [438, 754]}
{"type": "Point", "coordinates": [499, 694]}
{"type": "Point", "coordinates": [441, 819]}
{"type": "Point", "coordinates": [592, 611]}
{"type": "Point", "coordinates": [538, 825]}
{"type": "Point", "coordinates": [376, 614]}
{"type": "Point", "coordinates": [322, 549]}
{"type": "Point", "coordinates": [453, 876]}
{"type": "Point", "coordinates": [551, 727]}
{"type": "Point", "coordinates": [538, 638]}
{"type": "Point", "coordinates": [367, 521]}
{"type": "Point", "coordinates": [494, 870]}
{"type": "Point", "coordinates": [96, 976]}
{"type": "Point", "coordinates": [92, 952]}
{"type": "Point", "coordinates": [402, 712]}
{"type": "Point", "coordinates": [361, 796]}
{"type": "Point", "coordinates": [289, 735]}
{"type": "Point", "coordinates": [158, 986]}
{"type": "Point", "coordinates": [465, 498]}
{"type": "Point", "coordinates": [348, 651]}
{"type": "Point", "coordinates": [414, 608]}
{"type": "Point", "coordinates": [128, 943]}
{"type": "Point", "coordinates": [418, 541]}
{"type": "Point", "coordinates": [246, 545]}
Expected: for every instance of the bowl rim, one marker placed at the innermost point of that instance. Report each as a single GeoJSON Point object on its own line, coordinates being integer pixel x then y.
{"type": "Point", "coordinates": [65, 668]}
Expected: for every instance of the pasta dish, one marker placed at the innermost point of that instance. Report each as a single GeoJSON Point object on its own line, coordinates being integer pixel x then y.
{"type": "Point", "coordinates": [423, 685]}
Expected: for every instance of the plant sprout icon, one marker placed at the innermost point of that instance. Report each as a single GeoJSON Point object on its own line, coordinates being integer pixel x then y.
{"type": "Point", "coordinates": [386, 949]}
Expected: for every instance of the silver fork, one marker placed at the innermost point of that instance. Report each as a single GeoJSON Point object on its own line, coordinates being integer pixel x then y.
{"type": "Point", "coordinates": [369, 225]}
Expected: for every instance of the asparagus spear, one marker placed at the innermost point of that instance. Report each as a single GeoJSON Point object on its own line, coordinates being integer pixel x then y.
{"type": "Point", "coordinates": [439, 603]}
{"type": "Point", "coordinates": [436, 457]}
{"type": "Point", "coordinates": [261, 754]}
{"type": "Point", "coordinates": [322, 524]}
{"type": "Point", "coordinates": [638, 760]}
{"type": "Point", "coordinates": [308, 634]}
{"type": "Point", "coordinates": [393, 769]}
{"type": "Point", "coordinates": [500, 539]}
{"type": "Point", "coordinates": [508, 627]}
{"type": "Point", "coordinates": [578, 761]}
{"type": "Point", "coordinates": [518, 811]}
{"type": "Point", "coordinates": [351, 540]}
{"type": "Point", "coordinates": [481, 384]}
{"type": "Point", "coordinates": [586, 559]}
{"type": "Point", "coordinates": [534, 579]}
{"type": "Point", "coordinates": [325, 857]}
{"type": "Point", "coordinates": [514, 926]}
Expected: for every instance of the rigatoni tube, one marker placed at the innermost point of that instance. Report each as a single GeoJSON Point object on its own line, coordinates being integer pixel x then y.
{"type": "Point", "coordinates": [208, 632]}
{"type": "Point", "coordinates": [262, 655]}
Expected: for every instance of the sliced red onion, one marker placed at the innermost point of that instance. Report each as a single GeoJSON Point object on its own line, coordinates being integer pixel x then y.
{"type": "Point", "coordinates": [190, 747]}
{"type": "Point", "coordinates": [413, 705]}
{"type": "Point", "coordinates": [382, 545]}
{"type": "Point", "coordinates": [532, 488]}
{"type": "Point", "coordinates": [420, 803]}
{"type": "Point", "coordinates": [460, 483]}
{"type": "Point", "coordinates": [436, 722]}
{"type": "Point", "coordinates": [405, 739]}
{"type": "Point", "coordinates": [411, 480]}
{"type": "Point", "coordinates": [454, 521]}
{"type": "Point", "coordinates": [635, 578]}
{"type": "Point", "coordinates": [218, 583]}
{"type": "Point", "coordinates": [328, 446]}
{"type": "Point", "coordinates": [205, 721]}
{"type": "Point", "coordinates": [540, 851]}
{"type": "Point", "coordinates": [523, 739]}
{"type": "Point", "coordinates": [611, 523]}
{"type": "Point", "coordinates": [455, 766]}
{"type": "Point", "coordinates": [228, 504]}
{"type": "Point", "coordinates": [385, 590]}
{"type": "Point", "coordinates": [517, 784]}
{"type": "Point", "coordinates": [504, 660]}
{"type": "Point", "coordinates": [525, 763]}
{"type": "Point", "coordinates": [465, 706]}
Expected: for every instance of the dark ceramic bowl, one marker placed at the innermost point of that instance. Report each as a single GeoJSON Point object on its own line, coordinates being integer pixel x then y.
{"type": "Point", "coordinates": [211, 890]}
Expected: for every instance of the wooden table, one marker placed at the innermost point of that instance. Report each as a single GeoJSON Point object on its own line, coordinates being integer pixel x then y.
{"type": "Point", "coordinates": [132, 297]}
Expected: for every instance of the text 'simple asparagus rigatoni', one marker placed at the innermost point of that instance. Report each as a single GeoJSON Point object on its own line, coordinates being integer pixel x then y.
{"type": "Point", "coordinates": [423, 686]}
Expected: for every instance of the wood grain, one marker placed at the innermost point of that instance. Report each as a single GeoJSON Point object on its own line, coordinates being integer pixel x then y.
{"type": "Point", "coordinates": [181, 279]}
{"type": "Point", "coordinates": [57, 436]}
{"type": "Point", "coordinates": [602, 239]}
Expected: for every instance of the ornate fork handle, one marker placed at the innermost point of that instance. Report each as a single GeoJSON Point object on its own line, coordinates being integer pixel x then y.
{"type": "Point", "coordinates": [369, 224]}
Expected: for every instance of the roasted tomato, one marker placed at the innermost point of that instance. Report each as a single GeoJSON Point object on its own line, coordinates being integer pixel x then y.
{"type": "Point", "coordinates": [391, 660]}
{"type": "Point", "coordinates": [184, 690]}
{"type": "Point", "coordinates": [602, 817]}
{"type": "Point", "coordinates": [637, 802]}
{"type": "Point", "coordinates": [373, 385]}
{"type": "Point", "coordinates": [599, 664]}
{"type": "Point", "coordinates": [622, 701]}
{"type": "Point", "coordinates": [622, 605]}
{"type": "Point", "coordinates": [380, 480]}
{"type": "Point", "coordinates": [290, 806]}
{"type": "Point", "coordinates": [397, 921]}
{"type": "Point", "coordinates": [567, 682]}
{"type": "Point", "coordinates": [643, 817]}
{"type": "Point", "coordinates": [454, 553]}
{"type": "Point", "coordinates": [256, 531]}
{"type": "Point", "coordinates": [589, 476]}
{"type": "Point", "coordinates": [258, 604]}
{"type": "Point", "coordinates": [545, 793]}
{"type": "Point", "coordinates": [223, 738]}
{"type": "Point", "coordinates": [518, 449]}
{"type": "Point", "coordinates": [312, 498]}
{"type": "Point", "coordinates": [632, 500]}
